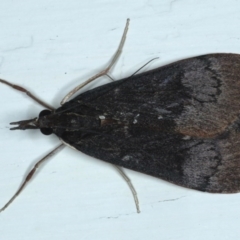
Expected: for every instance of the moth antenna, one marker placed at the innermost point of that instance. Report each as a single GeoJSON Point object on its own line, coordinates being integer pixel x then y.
{"type": "Point", "coordinates": [21, 89]}
{"type": "Point", "coordinates": [103, 72]}
{"type": "Point", "coordinates": [30, 175]}
{"type": "Point", "coordinates": [110, 77]}
{"type": "Point", "coordinates": [144, 66]}
{"type": "Point", "coordinates": [129, 183]}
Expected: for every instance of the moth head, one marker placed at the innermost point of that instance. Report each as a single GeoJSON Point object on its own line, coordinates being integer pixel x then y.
{"type": "Point", "coordinates": [33, 123]}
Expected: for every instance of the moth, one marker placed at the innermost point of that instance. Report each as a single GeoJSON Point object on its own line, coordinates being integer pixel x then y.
{"type": "Point", "coordinates": [179, 122]}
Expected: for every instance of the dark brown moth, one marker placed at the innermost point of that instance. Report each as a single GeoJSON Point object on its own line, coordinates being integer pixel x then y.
{"type": "Point", "coordinates": [179, 123]}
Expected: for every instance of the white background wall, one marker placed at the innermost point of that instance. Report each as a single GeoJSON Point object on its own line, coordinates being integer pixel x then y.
{"type": "Point", "coordinates": [49, 47]}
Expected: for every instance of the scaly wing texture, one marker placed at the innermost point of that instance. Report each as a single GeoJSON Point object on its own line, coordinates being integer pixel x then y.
{"type": "Point", "coordinates": [179, 123]}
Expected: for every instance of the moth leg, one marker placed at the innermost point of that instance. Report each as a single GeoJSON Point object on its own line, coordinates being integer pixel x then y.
{"type": "Point", "coordinates": [30, 175]}
{"type": "Point", "coordinates": [103, 72]}
{"type": "Point", "coordinates": [21, 89]}
{"type": "Point", "coordinates": [134, 193]}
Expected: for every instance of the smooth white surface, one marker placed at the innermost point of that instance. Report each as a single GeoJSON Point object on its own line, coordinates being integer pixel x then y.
{"type": "Point", "coordinates": [49, 47]}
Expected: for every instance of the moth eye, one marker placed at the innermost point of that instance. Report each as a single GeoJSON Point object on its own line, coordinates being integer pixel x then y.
{"type": "Point", "coordinates": [44, 113]}
{"type": "Point", "coordinates": [45, 131]}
